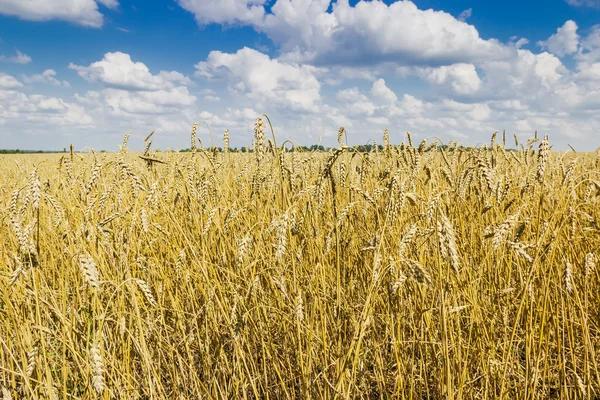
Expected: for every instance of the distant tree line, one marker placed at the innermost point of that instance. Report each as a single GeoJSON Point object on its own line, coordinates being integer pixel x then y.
{"type": "Point", "coordinates": [366, 148]}
{"type": "Point", "coordinates": [363, 148]}
{"type": "Point", "coordinates": [17, 151]}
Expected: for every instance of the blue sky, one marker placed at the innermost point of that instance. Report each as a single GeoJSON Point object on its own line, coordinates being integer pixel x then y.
{"type": "Point", "coordinates": [87, 71]}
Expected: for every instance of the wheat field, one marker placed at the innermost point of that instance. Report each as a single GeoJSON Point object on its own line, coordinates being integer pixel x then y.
{"type": "Point", "coordinates": [411, 272]}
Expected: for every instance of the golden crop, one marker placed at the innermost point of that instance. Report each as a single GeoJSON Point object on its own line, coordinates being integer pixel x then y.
{"type": "Point", "coordinates": [412, 272]}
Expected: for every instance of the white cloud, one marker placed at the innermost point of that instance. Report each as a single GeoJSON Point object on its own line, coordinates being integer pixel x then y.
{"type": "Point", "coordinates": [48, 76]}
{"type": "Point", "coordinates": [370, 31]}
{"type": "Point", "coordinates": [350, 95]}
{"type": "Point", "coordinates": [81, 12]}
{"type": "Point", "coordinates": [521, 42]}
{"type": "Point", "coordinates": [447, 118]}
{"type": "Point", "coordinates": [355, 103]}
{"type": "Point", "coordinates": [169, 112]}
{"type": "Point", "coordinates": [9, 82]}
{"type": "Point", "coordinates": [534, 79]}
{"type": "Point", "coordinates": [374, 32]}
{"type": "Point", "coordinates": [478, 112]}
{"type": "Point", "coordinates": [461, 78]}
{"type": "Point", "coordinates": [21, 109]}
{"type": "Point", "coordinates": [237, 121]}
{"type": "Point", "coordinates": [518, 42]}
{"type": "Point", "coordinates": [226, 11]}
{"type": "Point", "coordinates": [588, 57]}
{"type": "Point", "coordinates": [18, 58]}
{"type": "Point", "coordinates": [565, 41]}
{"type": "Point", "coordinates": [264, 79]}
{"type": "Point", "coordinates": [382, 93]}
{"type": "Point", "coordinates": [122, 102]}
{"type": "Point", "coordinates": [465, 15]}
{"type": "Point", "coordinates": [299, 23]}
{"type": "Point", "coordinates": [410, 106]}
{"type": "Point", "coordinates": [135, 99]}
{"type": "Point", "coordinates": [118, 70]}
{"type": "Point", "coordinates": [592, 41]}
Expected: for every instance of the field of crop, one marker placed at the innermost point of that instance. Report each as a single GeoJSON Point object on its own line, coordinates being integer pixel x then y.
{"type": "Point", "coordinates": [410, 272]}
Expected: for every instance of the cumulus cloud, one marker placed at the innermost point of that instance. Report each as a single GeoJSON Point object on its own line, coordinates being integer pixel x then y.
{"type": "Point", "coordinates": [9, 82]}
{"type": "Point", "coordinates": [226, 12]}
{"type": "Point", "coordinates": [34, 121]}
{"type": "Point", "coordinates": [122, 102]}
{"type": "Point", "coordinates": [518, 42]}
{"type": "Point", "coordinates": [20, 108]}
{"type": "Point", "coordinates": [588, 57]}
{"type": "Point", "coordinates": [382, 93]}
{"type": "Point", "coordinates": [133, 98]}
{"type": "Point", "coordinates": [48, 76]}
{"type": "Point", "coordinates": [322, 32]}
{"type": "Point", "coordinates": [591, 43]}
{"type": "Point", "coordinates": [409, 106]}
{"type": "Point", "coordinates": [529, 76]}
{"type": "Point", "coordinates": [565, 41]}
{"type": "Point", "coordinates": [461, 78]}
{"type": "Point", "coordinates": [477, 111]}
{"type": "Point", "coordinates": [80, 12]}
{"type": "Point", "coordinates": [18, 58]}
{"type": "Point", "coordinates": [356, 103]}
{"type": "Point", "coordinates": [261, 78]}
{"type": "Point", "coordinates": [375, 32]}
{"type": "Point", "coordinates": [119, 70]}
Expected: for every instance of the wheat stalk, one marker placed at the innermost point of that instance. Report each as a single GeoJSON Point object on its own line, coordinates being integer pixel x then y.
{"type": "Point", "coordinates": [226, 141]}
{"type": "Point", "coordinates": [259, 139]}
{"type": "Point", "coordinates": [543, 157]}
{"type": "Point", "coordinates": [299, 307]}
{"type": "Point", "coordinates": [568, 276]}
{"type": "Point", "coordinates": [88, 268]}
{"type": "Point", "coordinates": [193, 138]}
{"type": "Point", "coordinates": [448, 241]}
{"type": "Point", "coordinates": [145, 288]}
{"type": "Point", "coordinates": [32, 360]}
{"type": "Point", "coordinates": [97, 369]}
